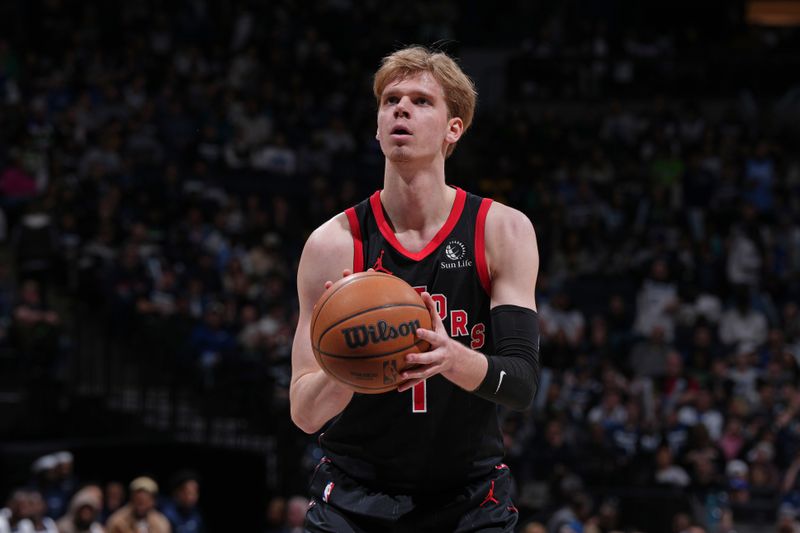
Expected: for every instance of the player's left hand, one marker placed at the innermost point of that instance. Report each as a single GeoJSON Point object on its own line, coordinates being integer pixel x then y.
{"type": "Point", "coordinates": [439, 359]}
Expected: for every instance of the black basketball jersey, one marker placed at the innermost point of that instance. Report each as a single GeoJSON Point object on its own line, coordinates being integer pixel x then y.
{"type": "Point", "coordinates": [437, 435]}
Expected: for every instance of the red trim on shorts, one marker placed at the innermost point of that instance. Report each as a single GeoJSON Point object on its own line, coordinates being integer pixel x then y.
{"type": "Point", "coordinates": [480, 246]}
{"type": "Point", "coordinates": [358, 245]}
{"type": "Point", "coordinates": [441, 235]}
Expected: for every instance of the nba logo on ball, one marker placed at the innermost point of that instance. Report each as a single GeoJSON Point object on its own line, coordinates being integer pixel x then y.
{"type": "Point", "coordinates": [327, 492]}
{"type": "Point", "coordinates": [390, 371]}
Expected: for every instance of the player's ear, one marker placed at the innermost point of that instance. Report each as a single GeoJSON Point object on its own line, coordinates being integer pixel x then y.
{"type": "Point", "coordinates": [378, 134]}
{"type": "Point", "coordinates": [455, 128]}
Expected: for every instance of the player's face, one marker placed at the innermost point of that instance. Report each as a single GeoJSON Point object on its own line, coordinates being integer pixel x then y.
{"type": "Point", "coordinates": [413, 121]}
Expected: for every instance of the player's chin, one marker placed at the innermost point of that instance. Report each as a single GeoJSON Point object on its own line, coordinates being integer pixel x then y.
{"type": "Point", "coordinates": [399, 154]}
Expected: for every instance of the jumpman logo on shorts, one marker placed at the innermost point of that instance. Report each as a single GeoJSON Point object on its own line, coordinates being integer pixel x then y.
{"type": "Point", "coordinates": [378, 266]}
{"type": "Point", "coordinates": [489, 497]}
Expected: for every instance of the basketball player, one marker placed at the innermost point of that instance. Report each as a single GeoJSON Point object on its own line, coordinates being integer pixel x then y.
{"type": "Point", "coordinates": [429, 456]}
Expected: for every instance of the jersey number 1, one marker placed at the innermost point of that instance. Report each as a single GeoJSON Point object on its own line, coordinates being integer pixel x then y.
{"type": "Point", "coordinates": [419, 397]}
{"type": "Point", "coordinates": [419, 393]}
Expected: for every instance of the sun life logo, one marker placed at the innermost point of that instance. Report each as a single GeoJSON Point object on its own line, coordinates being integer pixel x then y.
{"type": "Point", "coordinates": [455, 250]}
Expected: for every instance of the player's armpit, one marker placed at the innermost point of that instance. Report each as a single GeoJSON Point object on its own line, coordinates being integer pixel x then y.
{"type": "Point", "coordinates": [512, 377]}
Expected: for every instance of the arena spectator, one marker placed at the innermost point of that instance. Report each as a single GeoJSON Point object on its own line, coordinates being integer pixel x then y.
{"type": "Point", "coordinates": [657, 303]}
{"type": "Point", "coordinates": [276, 515]}
{"type": "Point", "coordinates": [296, 509]}
{"type": "Point", "coordinates": [39, 510]}
{"type": "Point", "coordinates": [742, 323]}
{"type": "Point", "coordinates": [84, 512]}
{"type": "Point", "coordinates": [140, 512]}
{"type": "Point", "coordinates": [16, 515]}
{"type": "Point", "coordinates": [66, 479]}
{"type": "Point", "coordinates": [47, 480]}
{"type": "Point", "coordinates": [667, 472]}
{"type": "Point", "coordinates": [113, 499]}
{"type": "Point", "coordinates": [181, 509]}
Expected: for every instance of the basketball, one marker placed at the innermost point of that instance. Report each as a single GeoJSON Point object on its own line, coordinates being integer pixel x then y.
{"type": "Point", "coordinates": [362, 328]}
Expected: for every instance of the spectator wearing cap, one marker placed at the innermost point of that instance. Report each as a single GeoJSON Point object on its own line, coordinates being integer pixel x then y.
{"type": "Point", "coordinates": [84, 512]}
{"type": "Point", "coordinates": [737, 473]}
{"type": "Point", "coordinates": [140, 514]}
{"type": "Point", "coordinates": [66, 479]}
{"type": "Point", "coordinates": [181, 509]}
{"type": "Point", "coordinates": [787, 519]}
{"type": "Point", "coordinates": [46, 480]}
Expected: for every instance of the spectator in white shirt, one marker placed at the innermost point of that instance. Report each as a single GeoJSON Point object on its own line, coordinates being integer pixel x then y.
{"type": "Point", "coordinates": [743, 324]}
{"type": "Point", "coordinates": [657, 302]}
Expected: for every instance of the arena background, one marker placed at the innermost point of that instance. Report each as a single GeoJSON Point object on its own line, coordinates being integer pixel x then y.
{"type": "Point", "coordinates": [161, 165]}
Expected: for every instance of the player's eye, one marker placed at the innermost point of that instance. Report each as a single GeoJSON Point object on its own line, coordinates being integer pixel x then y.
{"type": "Point", "coordinates": [422, 101]}
{"type": "Point", "coordinates": [392, 99]}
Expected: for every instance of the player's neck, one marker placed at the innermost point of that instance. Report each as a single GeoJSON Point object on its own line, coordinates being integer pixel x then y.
{"type": "Point", "coordinates": [416, 200]}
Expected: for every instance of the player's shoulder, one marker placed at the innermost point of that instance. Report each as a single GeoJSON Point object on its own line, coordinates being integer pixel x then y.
{"type": "Point", "coordinates": [503, 221]}
{"type": "Point", "coordinates": [328, 251]}
{"type": "Point", "coordinates": [332, 235]}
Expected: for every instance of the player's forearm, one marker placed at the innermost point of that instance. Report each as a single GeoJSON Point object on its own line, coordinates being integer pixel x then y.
{"type": "Point", "coordinates": [315, 399]}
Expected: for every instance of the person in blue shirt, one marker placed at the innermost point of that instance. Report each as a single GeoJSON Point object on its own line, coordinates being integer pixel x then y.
{"type": "Point", "coordinates": [181, 509]}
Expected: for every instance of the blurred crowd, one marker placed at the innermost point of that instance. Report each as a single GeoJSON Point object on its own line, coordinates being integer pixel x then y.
{"type": "Point", "coordinates": [163, 166]}
{"type": "Point", "coordinates": [55, 501]}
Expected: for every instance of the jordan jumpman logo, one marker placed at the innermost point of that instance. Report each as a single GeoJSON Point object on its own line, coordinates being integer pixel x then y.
{"type": "Point", "coordinates": [378, 266]}
{"type": "Point", "coordinates": [490, 497]}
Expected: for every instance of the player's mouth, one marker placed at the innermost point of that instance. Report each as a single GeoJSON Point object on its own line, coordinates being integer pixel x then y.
{"type": "Point", "coordinates": [401, 131]}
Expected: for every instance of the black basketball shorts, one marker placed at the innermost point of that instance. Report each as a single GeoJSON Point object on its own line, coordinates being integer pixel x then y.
{"type": "Point", "coordinates": [341, 505]}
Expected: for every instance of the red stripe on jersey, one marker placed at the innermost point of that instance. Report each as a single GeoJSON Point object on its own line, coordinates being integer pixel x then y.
{"type": "Point", "coordinates": [441, 235]}
{"type": "Point", "coordinates": [480, 246]}
{"type": "Point", "coordinates": [358, 246]}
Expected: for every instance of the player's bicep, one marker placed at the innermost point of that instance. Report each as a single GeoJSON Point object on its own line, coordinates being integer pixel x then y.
{"type": "Point", "coordinates": [326, 254]}
{"type": "Point", "coordinates": [512, 256]}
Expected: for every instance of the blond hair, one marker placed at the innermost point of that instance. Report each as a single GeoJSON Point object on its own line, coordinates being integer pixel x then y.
{"type": "Point", "coordinates": [459, 91]}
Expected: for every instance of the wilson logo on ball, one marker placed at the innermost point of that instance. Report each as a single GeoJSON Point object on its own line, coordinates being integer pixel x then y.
{"type": "Point", "coordinates": [360, 336]}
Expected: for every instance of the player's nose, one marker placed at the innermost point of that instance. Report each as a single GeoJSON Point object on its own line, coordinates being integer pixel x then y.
{"type": "Point", "coordinates": [401, 109]}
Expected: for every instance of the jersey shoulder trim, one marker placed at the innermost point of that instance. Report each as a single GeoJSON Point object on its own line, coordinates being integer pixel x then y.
{"type": "Point", "coordinates": [480, 246]}
{"type": "Point", "coordinates": [358, 245]}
